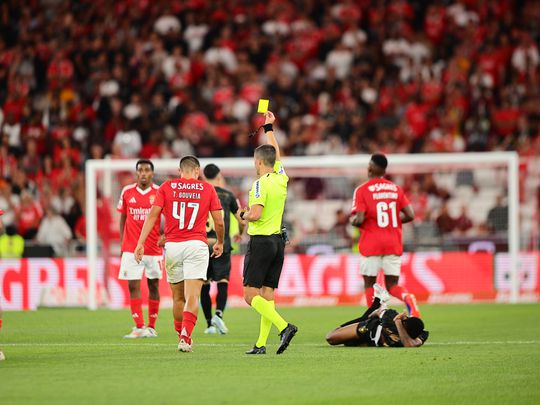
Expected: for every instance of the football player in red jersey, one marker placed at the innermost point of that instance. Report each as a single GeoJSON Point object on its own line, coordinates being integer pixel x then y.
{"type": "Point", "coordinates": [2, 357]}
{"type": "Point", "coordinates": [185, 203]}
{"type": "Point", "coordinates": [379, 209]}
{"type": "Point", "coordinates": [134, 205]}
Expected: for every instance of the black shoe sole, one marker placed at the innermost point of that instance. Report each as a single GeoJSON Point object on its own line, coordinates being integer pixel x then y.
{"type": "Point", "coordinates": [251, 352]}
{"type": "Point", "coordinates": [285, 344]}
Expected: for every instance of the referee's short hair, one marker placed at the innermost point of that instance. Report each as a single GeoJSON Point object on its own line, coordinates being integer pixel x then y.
{"type": "Point", "coordinates": [211, 171]}
{"type": "Point", "coordinates": [188, 163]}
{"type": "Point", "coordinates": [267, 153]}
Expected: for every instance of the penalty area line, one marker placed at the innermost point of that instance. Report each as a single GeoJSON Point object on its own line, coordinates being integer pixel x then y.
{"type": "Point", "coordinates": [480, 343]}
{"type": "Point", "coordinates": [157, 344]}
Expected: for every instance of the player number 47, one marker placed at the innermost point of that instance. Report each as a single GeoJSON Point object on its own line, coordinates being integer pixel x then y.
{"type": "Point", "coordinates": [180, 214]}
{"type": "Point", "coordinates": [383, 217]}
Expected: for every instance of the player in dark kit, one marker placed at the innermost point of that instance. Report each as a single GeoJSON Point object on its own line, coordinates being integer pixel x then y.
{"type": "Point", "coordinates": [219, 268]}
{"type": "Point", "coordinates": [380, 327]}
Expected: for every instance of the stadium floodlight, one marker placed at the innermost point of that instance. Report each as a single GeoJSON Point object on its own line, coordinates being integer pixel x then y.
{"type": "Point", "coordinates": [500, 167]}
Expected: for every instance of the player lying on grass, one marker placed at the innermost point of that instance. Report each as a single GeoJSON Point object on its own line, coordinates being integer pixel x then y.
{"type": "Point", "coordinates": [381, 327]}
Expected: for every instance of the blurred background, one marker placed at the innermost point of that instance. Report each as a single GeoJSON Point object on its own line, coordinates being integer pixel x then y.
{"type": "Point", "coordinates": [161, 79]}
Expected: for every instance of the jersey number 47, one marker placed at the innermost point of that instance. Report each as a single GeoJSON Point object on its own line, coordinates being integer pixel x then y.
{"type": "Point", "coordinates": [180, 214]}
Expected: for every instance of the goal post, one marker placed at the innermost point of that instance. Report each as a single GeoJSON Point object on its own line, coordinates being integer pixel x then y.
{"type": "Point", "coordinates": [100, 174]}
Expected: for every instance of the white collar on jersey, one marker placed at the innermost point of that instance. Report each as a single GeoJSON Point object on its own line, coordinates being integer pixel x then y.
{"type": "Point", "coordinates": [143, 192]}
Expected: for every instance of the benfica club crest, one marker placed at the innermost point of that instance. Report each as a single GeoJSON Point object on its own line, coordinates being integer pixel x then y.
{"type": "Point", "coordinates": [152, 198]}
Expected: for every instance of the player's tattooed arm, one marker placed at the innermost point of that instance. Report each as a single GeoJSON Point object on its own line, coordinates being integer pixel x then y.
{"type": "Point", "coordinates": [407, 214]}
{"type": "Point", "coordinates": [358, 219]}
{"type": "Point", "coordinates": [149, 223]}
{"type": "Point", "coordinates": [403, 335]}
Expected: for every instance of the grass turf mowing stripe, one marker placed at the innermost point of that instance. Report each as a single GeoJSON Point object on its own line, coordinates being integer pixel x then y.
{"type": "Point", "coordinates": [72, 356]}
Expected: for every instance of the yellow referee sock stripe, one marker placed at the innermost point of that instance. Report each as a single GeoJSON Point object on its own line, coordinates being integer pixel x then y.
{"type": "Point", "coordinates": [266, 309]}
{"type": "Point", "coordinates": [264, 329]}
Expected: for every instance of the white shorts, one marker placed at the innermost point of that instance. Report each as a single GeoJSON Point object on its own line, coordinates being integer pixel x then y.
{"type": "Point", "coordinates": [390, 264]}
{"type": "Point", "coordinates": [186, 260]}
{"type": "Point", "coordinates": [152, 266]}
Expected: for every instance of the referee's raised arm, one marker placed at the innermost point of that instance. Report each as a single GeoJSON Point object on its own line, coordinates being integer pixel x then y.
{"type": "Point", "coordinates": [269, 131]}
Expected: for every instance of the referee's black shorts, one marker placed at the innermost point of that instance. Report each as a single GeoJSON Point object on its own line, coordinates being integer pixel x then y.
{"type": "Point", "coordinates": [264, 261]}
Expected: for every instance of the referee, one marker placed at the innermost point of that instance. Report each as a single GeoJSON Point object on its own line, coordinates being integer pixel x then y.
{"type": "Point", "coordinates": [266, 250]}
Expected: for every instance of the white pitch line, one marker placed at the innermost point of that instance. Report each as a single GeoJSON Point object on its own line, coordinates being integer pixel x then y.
{"type": "Point", "coordinates": [457, 343]}
{"type": "Point", "coordinates": [127, 344]}
{"type": "Point", "coordinates": [495, 342]}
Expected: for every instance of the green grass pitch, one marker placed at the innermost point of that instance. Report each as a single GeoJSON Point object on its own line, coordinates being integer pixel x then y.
{"type": "Point", "coordinates": [477, 353]}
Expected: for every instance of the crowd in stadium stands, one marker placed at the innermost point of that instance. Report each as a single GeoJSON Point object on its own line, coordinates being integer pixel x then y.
{"type": "Point", "coordinates": [163, 78]}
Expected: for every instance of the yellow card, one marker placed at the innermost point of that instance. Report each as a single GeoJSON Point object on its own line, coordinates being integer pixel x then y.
{"type": "Point", "coordinates": [263, 106]}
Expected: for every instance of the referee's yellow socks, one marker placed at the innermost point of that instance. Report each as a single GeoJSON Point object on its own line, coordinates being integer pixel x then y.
{"type": "Point", "coordinates": [267, 310]}
{"type": "Point", "coordinates": [264, 329]}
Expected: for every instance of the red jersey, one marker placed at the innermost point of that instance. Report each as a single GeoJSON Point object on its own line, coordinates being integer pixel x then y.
{"type": "Point", "coordinates": [381, 201]}
{"type": "Point", "coordinates": [186, 204]}
{"type": "Point", "coordinates": [136, 204]}
{"type": "Point", "coordinates": [29, 217]}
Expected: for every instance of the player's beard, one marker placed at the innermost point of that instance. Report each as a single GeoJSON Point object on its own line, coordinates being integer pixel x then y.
{"type": "Point", "coordinates": [144, 183]}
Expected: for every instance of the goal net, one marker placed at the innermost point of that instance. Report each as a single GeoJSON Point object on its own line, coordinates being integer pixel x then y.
{"type": "Point", "coordinates": [463, 244]}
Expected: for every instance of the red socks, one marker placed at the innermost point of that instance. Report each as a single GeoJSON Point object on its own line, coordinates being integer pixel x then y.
{"type": "Point", "coordinates": [190, 319]}
{"type": "Point", "coordinates": [153, 309]}
{"type": "Point", "coordinates": [398, 292]}
{"type": "Point", "coordinates": [0, 324]}
{"type": "Point", "coordinates": [369, 296]}
{"type": "Point", "coordinates": [178, 327]}
{"type": "Point", "coordinates": [136, 311]}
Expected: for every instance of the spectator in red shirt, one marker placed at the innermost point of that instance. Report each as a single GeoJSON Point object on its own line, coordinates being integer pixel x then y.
{"type": "Point", "coordinates": [416, 115]}
{"type": "Point", "coordinates": [28, 216]}
{"type": "Point", "coordinates": [30, 163]}
{"type": "Point", "coordinates": [434, 23]}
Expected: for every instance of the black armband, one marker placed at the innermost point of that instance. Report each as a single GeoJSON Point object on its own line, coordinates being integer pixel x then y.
{"type": "Point", "coordinates": [268, 127]}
